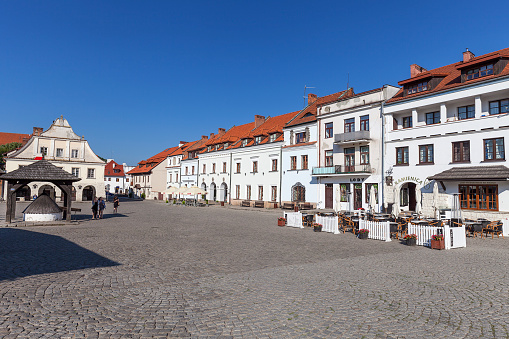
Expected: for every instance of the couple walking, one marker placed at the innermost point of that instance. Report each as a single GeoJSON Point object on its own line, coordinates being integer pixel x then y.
{"type": "Point", "coordinates": [98, 207]}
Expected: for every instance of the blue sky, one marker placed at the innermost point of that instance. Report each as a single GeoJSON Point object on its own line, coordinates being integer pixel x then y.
{"type": "Point", "coordinates": [136, 77]}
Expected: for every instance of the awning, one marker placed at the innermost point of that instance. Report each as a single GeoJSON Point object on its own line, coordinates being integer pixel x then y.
{"type": "Point", "coordinates": [473, 173]}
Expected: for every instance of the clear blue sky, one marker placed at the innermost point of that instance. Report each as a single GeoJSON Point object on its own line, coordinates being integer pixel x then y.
{"type": "Point", "coordinates": [136, 77]}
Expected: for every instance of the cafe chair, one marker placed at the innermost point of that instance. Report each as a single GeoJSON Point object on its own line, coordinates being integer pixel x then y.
{"type": "Point", "coordinates": [494, 227]}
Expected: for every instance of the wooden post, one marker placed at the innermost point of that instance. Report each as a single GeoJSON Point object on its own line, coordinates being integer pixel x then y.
{"type": "Point", "coordinates": [66, 189]}
{"type": "Point", "coordinates": [8, 211]}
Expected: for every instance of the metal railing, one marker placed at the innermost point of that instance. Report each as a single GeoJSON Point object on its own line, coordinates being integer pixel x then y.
{"type": "Point", "coordinates": [338, 169]}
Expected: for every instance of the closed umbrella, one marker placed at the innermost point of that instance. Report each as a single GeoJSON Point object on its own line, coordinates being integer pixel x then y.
{"type": "Point", "coordinates": [396, 210]}
{"type": "Point", "coordinates": [372, 199]}
{"type": "Point", "coordinates": [435, 199]}
{"type": "Point", "coordinates": [418, 207]}
{"type": "Point", "coordinates": [338, 199]}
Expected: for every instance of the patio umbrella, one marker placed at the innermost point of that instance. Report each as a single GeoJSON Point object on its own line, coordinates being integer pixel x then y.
{"type": "Point", "coordinates": [418, 207]}
{"type": "Point", "coordinates": [338, 199]}
{"type": "Point", "coordinates": [435, 199]}
{"type": "Point", "coordinates": [396, 208]}
{"type": "Point", "coordinates": [171, 190]}
{"type": "Point", "coordinates": [194, 190]}
{"type": "Point", "coordinates": [372, 199]}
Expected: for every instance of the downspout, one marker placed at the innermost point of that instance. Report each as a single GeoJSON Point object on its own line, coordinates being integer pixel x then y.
{"type": "Point", "coordinates": [281, 172]}
{"type": "Point", "coordinates": [231, 169]}
{"type": "Point", "coordinates": [382, 186]}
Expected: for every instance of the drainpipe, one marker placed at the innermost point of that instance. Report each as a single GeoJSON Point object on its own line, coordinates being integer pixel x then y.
{"type": "Point", "coordinates": [280, 173]}
{"type": "Point", "coordinates": [382, 186]}
{"type": "Point", "coordinates": [231, 169]}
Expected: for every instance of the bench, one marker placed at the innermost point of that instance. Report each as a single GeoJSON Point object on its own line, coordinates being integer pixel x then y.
{"type": "Point", "coordinates": [306, 206]}
{"type": "Point", "coordinates": [259, 204]}
{"type": "Point", "coordinates": [245, 203]}
{"type": "Point", "coordinates": [73, 209]}
{"type": "Point", "coordinates": [287, 206]}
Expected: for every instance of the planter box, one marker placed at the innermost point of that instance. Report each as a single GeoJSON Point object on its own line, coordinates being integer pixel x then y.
{"type": "Point", "coordinates": [222, 203]}
{"type": "Point", "coordinates": [411, 242]}
{"type": "Point", "coordinates": [363, 235]}
{"type": "Point", "coordinates": [317, 228]}
{"type": "Point", "coordinates": [281, 222]}
{"type": "Point", "coordinates": [437, 244]}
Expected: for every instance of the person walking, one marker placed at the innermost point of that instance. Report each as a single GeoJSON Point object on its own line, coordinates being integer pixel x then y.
{"type": "Point", "coordinates": [95, 206]}
{"type": "Point", "coordinates": [115, 204]}
{"type": "Point", "coordinates": [102, 206]}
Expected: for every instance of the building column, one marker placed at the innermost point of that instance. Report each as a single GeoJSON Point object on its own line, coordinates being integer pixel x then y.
{"type": "Point", "coordinates": [478, 106]}
{"type": "Point", "coordinates": [414, 118]}
{"type": "Point", "coordinates": [443, 113]}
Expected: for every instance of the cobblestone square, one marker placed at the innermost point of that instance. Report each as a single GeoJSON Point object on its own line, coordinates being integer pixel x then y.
{"type": "Point", "coordinates": [158, 270]}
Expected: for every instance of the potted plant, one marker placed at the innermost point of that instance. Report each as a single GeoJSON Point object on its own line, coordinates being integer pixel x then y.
{"type": "Point", "coordinates": [411, 239]}
{"type": "Point", "coordinates": [317, 227]}
{"type": "Point", "coordinates": [363, 233]}
{"type": "Point", "coordinates": [281, 221]}
{"type": "Point", "coordinates": [437, 242]}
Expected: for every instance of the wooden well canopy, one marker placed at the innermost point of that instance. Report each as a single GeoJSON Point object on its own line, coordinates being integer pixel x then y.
{"type": "Point", "coordinates": [40, 170]}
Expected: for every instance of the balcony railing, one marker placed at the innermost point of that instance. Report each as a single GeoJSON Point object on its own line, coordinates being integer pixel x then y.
{"type": "Point", "coordinates": [352, 136]}
{"type": "Point", "coordinates": [338, 169]}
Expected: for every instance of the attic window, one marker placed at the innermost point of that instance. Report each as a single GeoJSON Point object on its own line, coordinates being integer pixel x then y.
{"type": "Point", "coordinates": [225, 144]}
{"type": "Point", "coordinates": [416, 88]}
{"type": "Point", "coordinates": [244, 142]}
{"type": "Point", "coordinates": [308, 115]}
{"type": "Point", "coordinates": [258, 139]}
{"type": "Point", "coordinates": [209, 148]}
{"type": "Point", "coordinates": [480, 72]}
{"type": "Point", "coordinates": [217, 147]}
{"type": "Point", "coordinates": [273, 137]}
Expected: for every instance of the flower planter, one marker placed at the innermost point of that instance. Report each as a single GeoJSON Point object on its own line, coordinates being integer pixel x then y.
{"type": "Point", "coordinates": [363, 235]}
{"type": "Point", "coordinates": [281, 222]}
{"type": "Point", "coordinates": [317, 228]}
{"type": "Point", "coordinates": [437, 244]}
{"type": "Point", "coordinates": [222, 203]}
{"type": "Point", "coordinates": [411, 241]}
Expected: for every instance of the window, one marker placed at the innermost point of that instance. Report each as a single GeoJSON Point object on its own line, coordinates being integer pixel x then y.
{"type": "Point", "coordinates": [170, 177]}
{"type": "Point", "coordinates": [214, 168]}
{"type": "Point", "coordinates": [60, 152]}
{"type": "Point", "coordinates": [260, 192]}
{"type": "Point", "coordinates": [176, 178]}
{"type": "Point", "coordinates": [328, 159]}
{"type": "Point", "coordinates": [238, 167]}
{"type": "Point", "coordinates": [350, 159]}
{"type": "Point", "coordinates": [364, 150]}
{"type": "Point", "coordinates": [494, 149]}
{"type": "Point", "coordinates": [466, 112]}
{"type": "Point", "coordinates": [109, 179]}
{"type": "Point", "coordinates": [116, 171]}
{"type": "Point", "coordinates": [432, 118]}
{"type": "Point", "coordinates": [74, 153]}
{"type": "Point", "coordinates": [75, 171]}
{"type": "Point", "coordinates": [118, 179]}
{"type": "Point", "coordinates": [248, 192]}
{"type": "Point", "coordinates": [480, 72]}
{"type": "Point", "coordinates": [293, 163]}
{"type": "Point", "coordinates": [204, 169]}
{"type": "Point", "coordinates": [300, 137]}
{"type": "Point", "coordinates": [304, 162]}
{"type": "Point", "coordinates": [416, 88]}
{"type": "Point", "coordinates": [344, 189]}
{"type": "Point", "coordinates": [224, 167]}
{"type": "Point", "coordinates": [237, 191]}
{"type": "Point", "coordinates": [187, 170]}
{"type": "Point", "coordinates": [407, 122]}
{"type": "Point", "coordinates": [255, 166]}
{"type": "Point", "coordinates": [426, 154]}
{"type": "Point", "coordinates": [349, 125]}
{"type": "Point", "coordinates": [365, 123]}
{"type": "Point", "coordinates": [479, 197]}
{"type": "Point", "coordinates": [192, 170]}
{"type": "Point", "coordinates": [244, 143]}
{"type": "Point", "coordinates": [274, 164]}
{"type": "Point", "coordinates": [500, 106]}
{"type": "Point", "coordinates": [258, 139]}
{"type": "Point", "coordinates": [91, 173]}
{"type": "Point", "coordinates": [273, 137]}
{"type": "Point", "coordinates": [273, 194]}
{"type": "Point", "coordinates": [368, 192]}
{"type": "Point", "coordinates": [328, 130]}
{"type": "Point", "coordinates": [461, 151]}
{"type": "Point", "coordinates": [298, 193]}
{"type": "Point", "coordinates": [126, 179]}
{"type": "Point", "coordinates": [402, 156]}
{"type": "Point", "coordinates": [44, 150]}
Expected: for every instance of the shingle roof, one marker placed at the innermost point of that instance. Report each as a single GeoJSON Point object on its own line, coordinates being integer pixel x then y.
{"type": "Point", "coordinates": [109, 169]}
{"type": "Point", "coordinates": [7, 138]}
{"type": "Point", "coordinates": [42, 205]}
{"type": "Point", "coordinates": [40, 170]}
{"type": "Point", "coordinates": [451, 75]}
{"type": "Point", "coordinates": [498, 172]}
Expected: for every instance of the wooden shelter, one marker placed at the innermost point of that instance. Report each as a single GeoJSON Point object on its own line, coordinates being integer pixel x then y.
{"type": "Point", "coordinates": [42, 171]}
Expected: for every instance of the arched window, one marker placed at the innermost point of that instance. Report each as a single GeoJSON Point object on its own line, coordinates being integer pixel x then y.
{"type": "Point", "coordinates": [298, 193]}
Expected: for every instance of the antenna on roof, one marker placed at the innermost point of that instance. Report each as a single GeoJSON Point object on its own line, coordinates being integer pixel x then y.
{"type": "Point", "coordinates": [305, 88]}
{"type": "Point", "coordinates": [348, 81]}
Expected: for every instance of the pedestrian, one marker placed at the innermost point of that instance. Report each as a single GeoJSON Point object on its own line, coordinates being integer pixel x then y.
{"type": "Point", "coordinates": [115, 204]}
{"type": "Point", "coordinates": [102, 206]}
{"type": "Point", "coordinates": [95, 206]}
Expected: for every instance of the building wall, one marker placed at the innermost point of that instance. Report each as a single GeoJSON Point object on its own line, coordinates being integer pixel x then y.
{"type": "Point", "coordinates": [221, 179]}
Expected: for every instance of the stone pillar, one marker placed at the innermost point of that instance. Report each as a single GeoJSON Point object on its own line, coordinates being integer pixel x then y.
{"type": "Point", "coordinates": [443, 113]}
{"type": "Point", "coordinates": [414, 118]}
{"type": "Point", "coordinates": [478, 106]}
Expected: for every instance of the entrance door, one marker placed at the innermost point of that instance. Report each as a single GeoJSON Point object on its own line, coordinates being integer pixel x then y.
{"type": "Point", "coordinates": [329, 196]}
{"type": "Point", "coordinates": [357, 196]}
{"type": "Point", "coordinates": [350, 159]}
{"type": "Point", "coordinates": [411, 196]}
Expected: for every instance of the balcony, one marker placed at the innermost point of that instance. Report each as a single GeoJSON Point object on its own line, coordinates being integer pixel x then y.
{"type": "Point", "coordinates": [351, 137]}
{"type": "Point", "coordinates": [341, 170]}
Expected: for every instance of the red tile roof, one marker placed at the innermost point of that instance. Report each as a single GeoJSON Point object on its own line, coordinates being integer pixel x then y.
{"type": "Point", "coordinates": [109, 170]}
{"type": "Point", "coordinates": [451, 75]}
{"type": "Point", "coordinates": [7, 138]}
{"type": "Point", "coordinates": [308, 114]}
{"type": "Point", "coordinates": [147, 165]}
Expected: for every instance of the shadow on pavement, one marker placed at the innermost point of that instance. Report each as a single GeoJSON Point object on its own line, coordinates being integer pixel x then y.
{"type": "Point", "coordinates": [25, 253]}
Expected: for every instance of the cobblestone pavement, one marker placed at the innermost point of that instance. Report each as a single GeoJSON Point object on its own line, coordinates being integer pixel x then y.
{"type": "Point", "coordinates": [157, 270]}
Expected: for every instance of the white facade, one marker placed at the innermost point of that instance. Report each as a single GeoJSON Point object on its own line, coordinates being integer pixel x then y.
{"type": "Point", "coordinates": [65, 149]}
{"type": "Point", "coordinates": [189, 172]}
{"type": "Point", "coordinates": [173, 171]}
{"type": "Point", "coordinates": [214, 175]}
{"type": "Point", "coordinates": [350, 150]}
{"type": "Point", "coordinates": [410, 178]}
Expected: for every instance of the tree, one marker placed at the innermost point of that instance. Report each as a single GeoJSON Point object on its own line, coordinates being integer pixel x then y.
{"type": "Point", "coordinates": [6, 148]}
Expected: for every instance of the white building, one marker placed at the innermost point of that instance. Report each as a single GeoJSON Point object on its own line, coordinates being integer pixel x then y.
{"type": "Point", "coordinates": [350, 148]}
{"type": "Point", "coordinates": [65, 149]}
{"type": "Point", "coordinates": [115, 179]}
{"type": "Point", "coordinates": [189, 163]}
{"type": "Point", "coordinates": [448, 125]}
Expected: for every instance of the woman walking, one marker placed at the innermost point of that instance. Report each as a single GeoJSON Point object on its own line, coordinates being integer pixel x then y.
{"type": "Point", "coordinates": [115, 204]}
{"type": "Point", "coordinates": [95, 206]}
{"type": "Point", "coordinates": [102, 206]}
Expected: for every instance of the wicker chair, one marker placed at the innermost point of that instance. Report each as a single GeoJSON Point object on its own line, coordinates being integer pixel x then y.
{"type": "Point", "coordinates": [494, 227]}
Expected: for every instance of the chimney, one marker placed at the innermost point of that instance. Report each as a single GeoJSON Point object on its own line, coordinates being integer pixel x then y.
{"type": "Point", "coordinates": [211, 136]}
{"type": "Point", "coordinates": [259, 119]}
{"type": "Point", "coordinates": [37, 131]}
{"type": "Point", "coordinates": [312, 98]}
{"type": "Point", "coordinates": [415, 70]}
{"type": "Point", "coordinates": [204, 137]}
{"type": "Point", "coordinates": [467, 56]}
{"type": "Point", "coordinates": [221, 131]}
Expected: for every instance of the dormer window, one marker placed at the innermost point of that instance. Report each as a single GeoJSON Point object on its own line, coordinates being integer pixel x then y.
{"type": "Point", "coordinates": [416, 88]}
{"type": "Point", "coordinates": [225, 144]}
{"type": "Point", "coordinates": [300, 137]}
{"type": "Point", "coordinates": [273, 137]}
{"type": "Point", "coordinates": [480, 72]}
{"type": "Point", "coordinates": [244, 142]}
{"type": "Point", "coordinates": [258, 139]}
{"type": "Point", "coordinates": [217, 147]}
{"type": "Point", "coordinates": [209, 148]}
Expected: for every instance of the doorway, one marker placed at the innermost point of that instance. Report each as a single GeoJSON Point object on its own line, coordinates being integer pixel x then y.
{"type": "Point", "coordinates": [329, 196]}
{"type": "Point", "coordinates": [407, 196]}
{"type": "Point", "coordinates": [357, 196]}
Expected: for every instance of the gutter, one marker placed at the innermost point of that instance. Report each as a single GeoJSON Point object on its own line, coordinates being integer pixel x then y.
{"type": "Point", "coordinates": [382, 181]}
